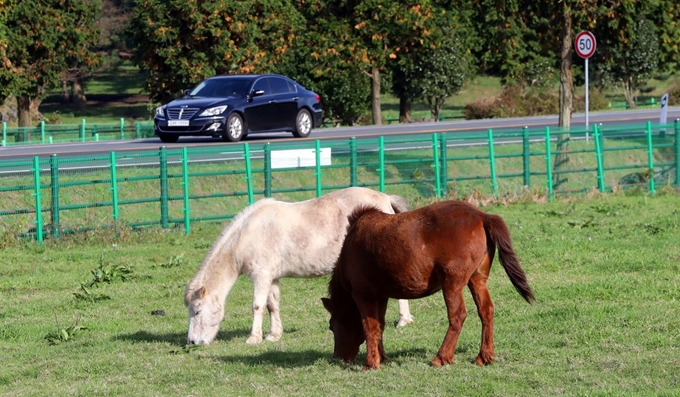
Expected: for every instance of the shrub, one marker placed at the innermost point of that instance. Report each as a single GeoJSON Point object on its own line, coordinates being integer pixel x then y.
{"type": "Point", "coordinates": [674, 95]}
{"type": "Point", "coordinates": [596, 101]}
{"type": "Point", "coordinates": [482, 109]}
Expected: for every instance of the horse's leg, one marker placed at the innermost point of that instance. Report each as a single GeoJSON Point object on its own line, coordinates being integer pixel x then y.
{"type": "Point", "coordinates": [480, 294]}
{"type": "Point", "coordinates": [371, 324]}
{"type": "Point", "coordinates": [273, 299]}
{"type": "Point", "coordinates": [405, 316]}
{"type": "Point", "coordinates": [261, 288]}
{"type": "Point", "coordinates": [455, 306]}
{"type": "Point", "coordinates": [382, 308]}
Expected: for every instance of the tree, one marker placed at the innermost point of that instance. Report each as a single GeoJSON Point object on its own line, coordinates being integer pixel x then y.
{"type": "Point", "coordinates": [183, 42]}
{"type": "Point", "coordinates": [629, 53]}
{"type": "Point", "coordinates": [39, 40]}
{"type": "Point", "coordinates": [377, 32]}
{"type": "Point", "coordinates": [441, 73]}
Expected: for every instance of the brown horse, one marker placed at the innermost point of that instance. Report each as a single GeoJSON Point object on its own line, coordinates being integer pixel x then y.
{"type": "Point", "coordinates": [443, 246]}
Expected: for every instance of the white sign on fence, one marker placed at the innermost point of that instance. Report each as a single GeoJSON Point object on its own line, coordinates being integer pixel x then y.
{"type": "Point", "coordinates": [664, 109]}
{"type": "Point", "coordinates": [299, 158]}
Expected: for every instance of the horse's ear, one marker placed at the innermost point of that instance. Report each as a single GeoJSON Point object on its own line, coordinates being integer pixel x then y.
{"type": "Point", "coordinates": [328, 304]}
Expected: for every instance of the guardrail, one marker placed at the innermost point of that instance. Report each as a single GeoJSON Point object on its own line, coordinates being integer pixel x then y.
{"type": "Point", "coordinates": [176, 187]}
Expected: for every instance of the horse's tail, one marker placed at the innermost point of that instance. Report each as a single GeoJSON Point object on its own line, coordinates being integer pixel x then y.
{"type": "Point", "coordinates": [498, 235]}
{"type": "Point", "coordinates": [398, 203]}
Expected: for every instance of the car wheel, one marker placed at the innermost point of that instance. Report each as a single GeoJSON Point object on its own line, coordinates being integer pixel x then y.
{"type": "Point", "coordinates": [168, 138]}
{"type": "Point", "coordinates": [303, 124]}
{"type": "Point", "coordinates": [235, 129]}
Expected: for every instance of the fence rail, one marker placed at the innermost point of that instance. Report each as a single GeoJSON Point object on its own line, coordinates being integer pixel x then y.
{"type": "Point", "coordinates": [176, 187]}
{"type": "Point", "coordinates": [83, 132]}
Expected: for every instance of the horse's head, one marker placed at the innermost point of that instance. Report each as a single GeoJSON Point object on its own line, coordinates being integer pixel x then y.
{"type": "Point", "coordinates": [348, 333]}
{"type": "Point", "coordinates": [206, 312]}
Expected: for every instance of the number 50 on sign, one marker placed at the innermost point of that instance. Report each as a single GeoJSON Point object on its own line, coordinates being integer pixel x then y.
{"type": "Point", "coordinates": [585, 44]}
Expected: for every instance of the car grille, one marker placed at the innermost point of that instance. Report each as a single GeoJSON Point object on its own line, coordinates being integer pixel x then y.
{"type": "Point", "coordinates": [181, 113]}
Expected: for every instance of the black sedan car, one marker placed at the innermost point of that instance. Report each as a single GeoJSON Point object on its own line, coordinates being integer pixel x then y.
{"type": "Point", "coordinates": [231, 107]}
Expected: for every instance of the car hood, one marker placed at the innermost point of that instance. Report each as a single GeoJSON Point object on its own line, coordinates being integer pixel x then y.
{"type": "Point", "coordinates": [201, 102]}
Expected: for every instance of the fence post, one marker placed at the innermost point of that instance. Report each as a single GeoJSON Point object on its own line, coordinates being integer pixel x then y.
{"type": "Point", "coordinates": [650, 157]}
{"type": "Point", "coordinates": [317, 148]}
{"type": "Point", "coordinates": [4, 133]}
{"type": "Point", "coordinates": [38, 203]}
{"type": "Point", "coordinates": [548, 164]}
{"type": "Point", "coordinates": [267, 170]}
{"type": "Point", "coordinates": [353, 161]}
{"type": "Point", "coordinates": [114, 189]}
{"type": "Point", "coordinates": [42, 131]}
{"type": "Point", "coordinates": [677, 151]}
{"type": "Point", "coordinates": [122, 128]}
{"type": "Point", "coordinates": [598, 157]}
{"type": "Point", "coordinates": [137, 130]}
{"type": "Point", "coordinates": [163, 162]}
{"type": "Point", "coordinates": [492, 163]}
{"type": "Point", "coordinates": [54, 185]}
{"type": "Point", "coordinates": [82, 131]}
{"type": "Point", "coordinates": [444, 164]}
{"type": "Point", "coordinates": [436, 166]}
{"type": "Point", "coordinates": [249, 173]}
{"type": "Point", "coordinates": [526, 155]}
{"type": "Point", "coordinates": [185, 189]}
{"type": "Point", "coordinates": [381, 160]}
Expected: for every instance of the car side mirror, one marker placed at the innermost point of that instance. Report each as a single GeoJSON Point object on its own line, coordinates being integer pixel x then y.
{"type": "Point", "coordinates": [253, 94]}
{"type": "Point", "coordinates": [186, 92]}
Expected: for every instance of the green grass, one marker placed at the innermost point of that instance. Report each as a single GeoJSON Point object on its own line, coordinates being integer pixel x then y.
{"type": "Point", "coordinates": [605, 272]}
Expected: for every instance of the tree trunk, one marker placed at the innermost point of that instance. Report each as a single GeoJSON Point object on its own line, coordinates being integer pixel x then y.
{"type": "Point", "coordinates": [566, 97]}
{"type": "Point", "coordinates": [375, 96]}
{"type": "Point", "coordinates": [628, 92]}
{"type": "Point", "coordinates": [24, 111]}
{"type": "Point", "coordinates": [63, 96]}
{"type": "Point", "coordinates": [404, 108]}
{"type": "Point", "coordinates": [79, 99]}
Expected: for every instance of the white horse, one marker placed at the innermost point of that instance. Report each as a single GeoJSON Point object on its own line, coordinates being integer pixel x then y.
{"type": "Point", "coordinates": [269, 240]}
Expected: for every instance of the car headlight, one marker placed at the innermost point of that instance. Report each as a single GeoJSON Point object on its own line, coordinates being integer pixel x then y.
{"type": "Point", "coordinates": [214, 111]}
{"type": "Point", "coordinates": [160, 111]}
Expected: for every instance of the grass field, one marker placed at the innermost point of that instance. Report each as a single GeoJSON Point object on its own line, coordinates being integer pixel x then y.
{"type": "Point", "coordinates": [605, 271]}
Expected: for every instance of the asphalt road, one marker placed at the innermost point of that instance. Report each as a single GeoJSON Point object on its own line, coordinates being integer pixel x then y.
{"type": "Point", "coordinates": [578, 119]}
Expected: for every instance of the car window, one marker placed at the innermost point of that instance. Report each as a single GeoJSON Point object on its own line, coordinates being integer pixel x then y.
{"type": "Point", "coordinates": [221, 88]}
{"type": "Point", "coordinates": [291, 86]}
{"type": "Point", "coordinates": [262, 85]}
{"type": "Point", "coordinates": [278, 85]}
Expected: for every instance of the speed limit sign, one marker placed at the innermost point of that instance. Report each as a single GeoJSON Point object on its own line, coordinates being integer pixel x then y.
{"type": "Point", "coordinates": [585, 44]}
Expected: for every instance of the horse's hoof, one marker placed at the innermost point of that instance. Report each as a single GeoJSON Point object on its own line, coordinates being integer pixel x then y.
{"type": "Point", "coordinates": [438, 361]}
{"type": "Point", "coordinates": [272, 338]}
{"type": "Point", "coordinates": [403, 321]}
{"type": "Point", "coordinates": [484, 359]}
{"type": "Point", "coordinates": [254, 340]}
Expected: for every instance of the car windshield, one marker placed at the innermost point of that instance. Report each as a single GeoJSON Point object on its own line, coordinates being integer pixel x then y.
{"type": "Point", "coordinates": [215, 88]}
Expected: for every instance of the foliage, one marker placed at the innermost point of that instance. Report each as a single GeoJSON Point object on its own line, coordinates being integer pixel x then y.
{"type": "Point", "coordinates": [108, 273]}
{"type": "Point", "coordinates": [631, 61]}
{"type": "Point", "coordinates": [64, 334]}
{"type": "Point", "coordinates": [39, 40]}
{"type": "Point", "coordinates": [181, 43]}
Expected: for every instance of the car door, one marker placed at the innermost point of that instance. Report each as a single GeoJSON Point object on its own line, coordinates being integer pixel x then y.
{"type": "Point", "coordinates": [285, 103]}
{"type": "Point", "coordinates": [259, 111]}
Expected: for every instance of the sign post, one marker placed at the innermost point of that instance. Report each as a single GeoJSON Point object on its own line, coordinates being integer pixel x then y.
{"type": "Point", "coordinates": [585, 44]}
{"type": "Point", "coordinates": [664, 114]}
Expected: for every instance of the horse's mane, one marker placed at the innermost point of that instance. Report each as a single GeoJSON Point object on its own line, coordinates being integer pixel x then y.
{"type": "Point", "coordinates": [359, 212]}
{"type": "Point", "coordinates": [229, 235]}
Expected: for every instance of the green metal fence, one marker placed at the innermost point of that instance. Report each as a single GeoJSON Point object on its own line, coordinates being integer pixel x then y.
{"type": "Point", "coordinates": [83, 132]}
{"type": "Point", "coordinates": [176, 187]}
